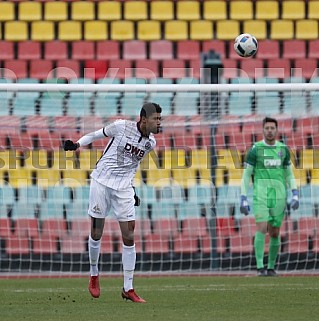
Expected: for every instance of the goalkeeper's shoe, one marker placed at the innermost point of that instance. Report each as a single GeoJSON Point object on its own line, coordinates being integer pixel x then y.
{"type": "Point", "coordinates": [261, 272]}
{"type": "Point", "coordinates": [94, 286]}
{"type": "Point", "coordinates": [131, 295]}
{"type": "Point", "coordinates": [271, 272]}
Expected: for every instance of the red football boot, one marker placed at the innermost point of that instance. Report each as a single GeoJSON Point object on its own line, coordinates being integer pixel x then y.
{"type": "Point", "coordinates": [131, 295]}
{"type": "Point", "coordinates": [94, 286]}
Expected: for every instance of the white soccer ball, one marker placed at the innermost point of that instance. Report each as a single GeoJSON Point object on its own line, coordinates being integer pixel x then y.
{"type": "Point", "coordinates": [246, 45]}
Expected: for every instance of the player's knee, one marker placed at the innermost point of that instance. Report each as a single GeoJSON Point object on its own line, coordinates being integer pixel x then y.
{"type": "Point", "coordinates": [96, 234]}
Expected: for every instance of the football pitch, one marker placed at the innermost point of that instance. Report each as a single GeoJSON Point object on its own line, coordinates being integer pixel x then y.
{"type": "Point", "coordinates": [218, 298]}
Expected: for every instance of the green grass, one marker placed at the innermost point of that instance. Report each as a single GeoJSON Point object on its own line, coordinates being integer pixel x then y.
{"type": "Point", "coordinates": [168, 298]}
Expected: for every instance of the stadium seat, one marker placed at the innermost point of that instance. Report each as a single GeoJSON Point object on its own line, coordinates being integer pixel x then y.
{"type": "Point", "coordinates": [268, 49]}
{"type": "Point", "coordinates": [148, 30]}
{"type": "Point", "coordinates": [108, 50]}
{"type": "Point", "coordinates": [174, 68]}
{"type": "Point", "coordinates": [82, 11]}
{"type": "Point", "coordinates": [281, 29]}
{"type": "Point", "coordinates": [306, 29]}
{"type": "Point", "coordinates": [7, 11]}
{"type": "Point", "coordinates": [308, 67]}
{"type": "Point", "coordinates": [253, 68]}
{"type": "Point", "coordinates": [201, 30]}
{"type": "Point", "coordinates": [227, 29]}
{"type": "Point", "coordinates": [15, 69]}
{"type": "Point", "coordinates": [55, 50]}
{"type": "Point", "coordinates": [95, 69]}
{"type": "Point", "coordinates": [29, 50]}
{"type": "Point", "coordinates": [241, 10]}
{"type": "Point", "coordinates": [313, 49]}
{"type": "Point", "coordinates": [29, 11]}
{"type": "Point", "coordinates": [69, 30]}
{"type": "Point", "coordinates": [135, 10]}
{"type": "Point", "coordinates": [176, 30]}
{"type": "Point", "coordinates": [83, 50]}
{"type": "Point", "coordinates": [122, 30]}
{"type": "Point", "coordinates": [55, 11]}
{"type": "Point", "coordinates": [230, 69]}
{"type": "Point", "coordinates": [188, 10]}
{"type": "Point", "coordinates": [16, 30]}
{"type": "Point", "coordinates": [95, 30]}
{"type": "Point", "coordinates": [109, 10]}
{"type": "Point", "coordinates": [259, 28]}
{"type": "Point", "coordinates": [120, 69]}
{"type": "Point", "coordinates": [161, 50]}
{"type": "Point", "coordinates": [267, 10]}
{"type": "Point", "coordinates": [188, 49]}
{"type": "Point", "coordinates": [216, 45]}
{"type": "Point", "coordinates": [297, 243]}
{"type": "Point", "coordinates": [7, 50]}
{"type": "Point", "coordinates": [67, 69]}
{"type": "Point", "coordinates": [147, 69]}
{"type": "Point", "coordinates": [247, 226]}
{"type": "Point", "coordinates": [278, 68]}
{"type": "Point", "coordinates": [241, 244]}
{"type": "Point", "coordinates": [42, 31]}
{"type": "Point", "coordinates": [313, 10]}
{"type": "Point", "coordinates": [134, 50]}
{"type": "Point", "coordinates": [41, 69]}
{"type": "Point", "coordinates": [293, 10]}
{"type": "Point", "coordinates": [161, 10]}
{"type": "Point", "coordinates": [293, 49]}
{"type": "Point", "coordinates": [5, 228]}
{"type": "Point", "coordinates": [214, 10]}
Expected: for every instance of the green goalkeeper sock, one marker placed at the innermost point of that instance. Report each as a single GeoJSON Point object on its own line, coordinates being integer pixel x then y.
{"type": "Point", "coordinates": [259, 245]}
{"type": "Point", "coordinates": [274, 244]}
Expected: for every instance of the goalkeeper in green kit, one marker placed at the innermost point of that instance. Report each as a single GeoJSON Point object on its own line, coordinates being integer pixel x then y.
{"type": "Point", "coordinates": [269, 163]}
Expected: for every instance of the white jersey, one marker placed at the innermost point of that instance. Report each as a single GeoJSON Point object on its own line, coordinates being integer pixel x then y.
{"type": "Point", "coordinates": [123, 154]}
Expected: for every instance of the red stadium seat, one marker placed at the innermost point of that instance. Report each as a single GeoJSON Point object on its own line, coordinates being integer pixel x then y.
{"type": "Point", "coordinates": [268, 49]}
{"type": "Point", "coordinates": [108, 50]}
{"type": "Point", "coordinates": [308, 225]}
{"type": "Point", "coordinates": [184, 244]}
{"type": "Point", "coordinates": [5, 228]}
{"type": "Point", "coordinates": [279, 68]}
{"type": "Point", "coordinates": [188, 49]}
{"type": "Point", "coordinates": [6, 50]}
{"type": "Point", "coordinates": [247, 226]}
{"type": "Point", "coordinates": [174, 68]}
{"type": "Point", "coordinates": [83, 50]}
{"type": "Point", "coordinates": [65, 125]}
{"type": "Point", "coordinates": [55, 50]}
{"type": "Point", "coordinates": [161, 49]}
{"type": "Point", "coordinates": [230, 69]}
{"type": "Point", "coordinates": [297, 243]}
{"type": "Point", "coordinates": [15, 69]}
{"type": "Point", "coordinates": [308, 67]}
{"type": "Point", "coordinates": [147, 69]}
{"type": "Point", "coordinates": [293, 49]}
{"type": "Point", "coordinates": [241, 244]}
{"type": "Point", "coordinates": [313, 49]}
{"type": "Point", "coordinates": [41, 69]}
{"type": "Point", "coordinates": [134, 50]}
{"type": "Point", "coordinates": [215, 45]}
{"type": "Point", "coordinates": [29, 50]}
{"type": "Point", "coordinates": [120, 69]}
{"type": "Point", "coordinates": [194, 68]}
{"type": "Point", "coordinates": [252, 68]}
{"type": "Point", "coordinates": [95, 69]}
{"type": "Point", "coordinates": [67, 69]}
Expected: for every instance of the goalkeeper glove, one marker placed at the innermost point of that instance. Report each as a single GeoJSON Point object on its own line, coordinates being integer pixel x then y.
{"type": "Point", "coordinates": [244, 206]}
{"type": "Point", "coordinates": [137, 201]}
{"type": "Point", "coordinates": [69, 145]}
{"type": "Point", "coordinates": [294, 204]}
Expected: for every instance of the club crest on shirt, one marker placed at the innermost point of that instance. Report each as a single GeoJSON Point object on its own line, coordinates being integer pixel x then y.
{"type": "Point", "coordinates": [148, 145]}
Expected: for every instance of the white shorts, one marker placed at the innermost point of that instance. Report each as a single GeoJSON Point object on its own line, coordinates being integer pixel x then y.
{"type": "Point", "coordinates": [104, 199]}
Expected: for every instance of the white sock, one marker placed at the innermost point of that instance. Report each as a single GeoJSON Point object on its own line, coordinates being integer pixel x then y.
{"type": "Point", "coordinates": [94, 253]}
{"type": "Point", "coordinates": [128, 260]}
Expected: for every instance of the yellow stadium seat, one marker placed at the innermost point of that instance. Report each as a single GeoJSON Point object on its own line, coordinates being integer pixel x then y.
{"type": "Point", "coordinates": [200, 159]}
{"type": "Point", "coordinates": [205, 174]}
{"type": "Point", "coordinates": [55, 11]}
{"type": "Point", "coordinates": [82, 10]}
{"type": "Point", "coordinates": [158, 177]}
{"type": "Point", "coordinates": [135, 10]}
{"type": "Point", "coordinates": [42, 30]}
{"type": "Point", "coordinates": [187, 10]}
{"type": "Point", "coordinates": [267, 10]}
{"type": "Point", "coordinates": [122, 30]}
{"type": "Point", "coordinates": [219, 177]}
{"type": "Point", "coordinates": [62, 160]}
{"type": "Point", "coordinates": [174, 159]}
{"type": "Point", "coordinates": [300, 176]}
{"type": "Point", "coordinates": [109, 10]}
{"type": "Point", "coordinates": [307, 159]}
{"type": "Point", "coordinates": [235, 176]}
{"type": "Point", "coordinates": [162, 10]}
{"type": "Point", "coordinates": [6, 11]}
{"type": "Point", "coordinates": [228, 159]}
{"type": "Point", "coordinates": [88, 159]}
{"type": "Point", "coordinates": [215, 10]}
{"type": "Point", "coordinates": [184, 177]}
{"type": "Point", "coordinates": [20, 177]}
{"type": "Point", "coordinates": [313, 9]}
{"type": "Point", "coordinates": [227, 29]}
{"type": "Point", "coordinates": [47, 178]}
{"type": "Point", "coordinates": [176, 30]}
{"type": "Point", "coordinates": [293, 10]}
{"type": "Point", "coordinates": [306, 29]}
{"type": "Point", "coordinates": [257, 27]}
{"type": "Point", "coordinates": [148, 30]}
{"type": "Point", "coordinates": [201, 30]}
{"type": "Point", "coordinates": [95, 30]}
{"type": "Point", "coordinates": [281, 29]}
{"type": "Point", "coordinates": [70, 30]}
{"type": "Point", "coordinates": [16, 30]}
{"type": "Point", "coordinates": [74, 178]}
{"type": "Point", "coordinates": [241, 10]}
{"type": "Point", "coordinates": [30, 11]}
{"type": "Point", "coordinates": [37, 159]}
{"type": "Point", "coordinates": [150, 162]}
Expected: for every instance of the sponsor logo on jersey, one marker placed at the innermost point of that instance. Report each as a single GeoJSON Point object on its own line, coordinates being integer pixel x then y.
{"type": "Point", "coordinates": [96, 209]}
{"type": "Point", "coordinates": [133, 150]}
{"type": "Point", "coordinates": [148, 145]}
{"type": "Point", "coordinates": [272, 162]}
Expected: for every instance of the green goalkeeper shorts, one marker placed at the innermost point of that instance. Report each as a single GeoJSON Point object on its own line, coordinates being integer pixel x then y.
{"type": "Point", "coordinates": [269, 210]}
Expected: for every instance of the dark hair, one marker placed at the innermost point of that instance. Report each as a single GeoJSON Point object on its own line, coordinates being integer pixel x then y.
{"type": "Point", "coordinates": [270, 120]}
{"type": "Point", "coordinates": [150, 108]}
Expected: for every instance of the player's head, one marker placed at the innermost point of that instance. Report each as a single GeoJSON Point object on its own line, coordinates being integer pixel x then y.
{"type": "Point", "coordinates": [270, 127]}
{"type": "Point", "coordinates": [150, 118]}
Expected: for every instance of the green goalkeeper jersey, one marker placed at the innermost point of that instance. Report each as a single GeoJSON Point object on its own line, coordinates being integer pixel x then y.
{"type": "Point", "coordinates": [269, 164]}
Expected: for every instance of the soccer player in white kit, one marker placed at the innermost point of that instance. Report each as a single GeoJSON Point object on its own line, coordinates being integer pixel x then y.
{"type": "Point", "coordinates": [111, 187]}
